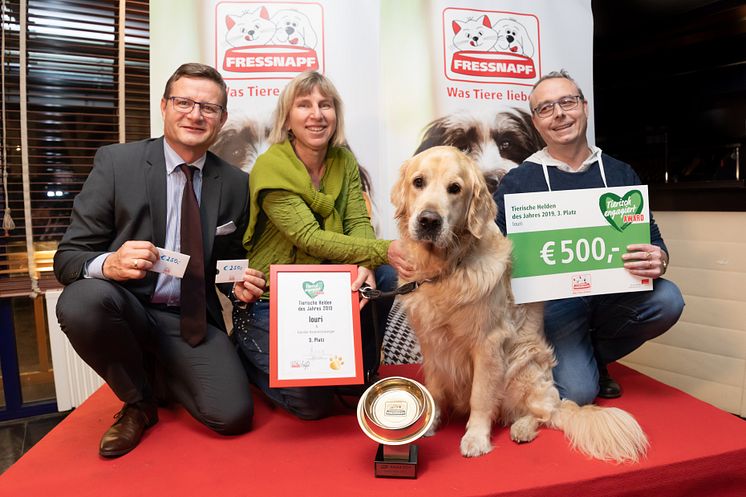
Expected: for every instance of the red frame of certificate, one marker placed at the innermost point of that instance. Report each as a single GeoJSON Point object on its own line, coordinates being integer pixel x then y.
{"type": "Point", "coordinates": [274, 292]}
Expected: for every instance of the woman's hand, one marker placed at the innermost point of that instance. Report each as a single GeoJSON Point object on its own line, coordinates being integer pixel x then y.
{"type": "Point", "coordinates": [251, 287]}
{"type": "Point", "coordinates": [364, 275]}
{"type": "Point", "coordinates": [398, 260]}
{"type": "Point", "coordinates": [645, 260]}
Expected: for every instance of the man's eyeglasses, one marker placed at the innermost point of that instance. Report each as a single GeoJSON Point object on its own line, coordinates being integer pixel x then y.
{"type": "Point", "coordinates": [566, 103]}
{"type": "Point", "coordinates": [185, 105]}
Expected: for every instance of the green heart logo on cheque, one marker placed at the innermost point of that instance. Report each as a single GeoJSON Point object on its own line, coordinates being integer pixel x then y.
{"type": "Point", "coordinates": [313, 289]}
{"type": "Point", "coordinates": [620, 212]}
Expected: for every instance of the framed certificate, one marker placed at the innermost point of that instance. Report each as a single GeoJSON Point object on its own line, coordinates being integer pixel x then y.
{"type": "Point", "coordinates": [314, 326]}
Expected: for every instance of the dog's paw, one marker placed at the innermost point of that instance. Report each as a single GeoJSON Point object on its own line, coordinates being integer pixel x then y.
{"type": "Point", "coordinates": [473, 445]}
{"type": "Point", "coordinates": [524, 429]}
{"type": "Point", "coordinates": [336, 363]}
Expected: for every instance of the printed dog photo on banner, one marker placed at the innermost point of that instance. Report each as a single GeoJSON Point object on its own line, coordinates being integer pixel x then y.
{"type": "Point", "coordinates": [496, 141]}
{"type": "Point", "coordinates": [241, 141]}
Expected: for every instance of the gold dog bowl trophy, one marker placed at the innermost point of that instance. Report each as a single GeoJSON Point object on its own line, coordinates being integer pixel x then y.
{"type": "Point", "coordinates": [395, 412]}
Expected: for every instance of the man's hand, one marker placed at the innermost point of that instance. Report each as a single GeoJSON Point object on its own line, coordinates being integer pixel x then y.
{"type": "Point", "coordinates": [251, 287]}
{"type": "Point", "coordinates": [364, 275]}
{"type": "Point", "coordinates": [645, 260]}
{"type": "Point", "coordinates": [398, 260]}
{"type": "Point", "coordinates": [133, 259]}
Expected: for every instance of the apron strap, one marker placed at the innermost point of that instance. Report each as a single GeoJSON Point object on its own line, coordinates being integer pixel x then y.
{"type": "Point", "coordinates": [600, 168]}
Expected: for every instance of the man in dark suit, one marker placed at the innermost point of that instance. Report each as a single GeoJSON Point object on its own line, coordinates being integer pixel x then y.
{"type": "Point", "coordinates": [126, 321]}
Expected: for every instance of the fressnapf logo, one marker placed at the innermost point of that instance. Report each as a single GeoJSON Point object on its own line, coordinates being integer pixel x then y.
{"type": "Point", "coordinates": [491, 46]}
{"type": "Point", "coordinates": [255, 40]}
{"type": "Point", "coordinates": [581, 283]}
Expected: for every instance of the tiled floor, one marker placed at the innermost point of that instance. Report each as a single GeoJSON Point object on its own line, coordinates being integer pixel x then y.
{"type": "Point", "coordinates": [18, 436]}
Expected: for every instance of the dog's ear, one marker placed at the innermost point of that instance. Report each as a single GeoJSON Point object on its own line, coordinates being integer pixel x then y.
{"type": "Point", "coordinates": [264, 13]}
{"type": "Point", "coordinates": [398, 191]}
{"type": "Point", "coordinates": [456, 25]}
{"type": "Point", "coordinates": [535, 141]}
{"type": "Point", "coordinates": [443, 131]}
{"type": "Point", "coordinates": [482, 208]}
{"type": "Point", "coordinates": [230, 22]}
{"type": "Point", "coordinates": [486, 22]}
{"type": "Point", "coordinates": [526, 43]}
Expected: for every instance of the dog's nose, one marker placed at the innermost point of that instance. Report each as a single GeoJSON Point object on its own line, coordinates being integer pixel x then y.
{"type": "Point", "coordinates": [429, 221]}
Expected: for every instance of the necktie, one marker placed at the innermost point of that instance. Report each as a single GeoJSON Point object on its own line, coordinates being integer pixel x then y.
{"type": "Point", "coordinates": [193, 307]}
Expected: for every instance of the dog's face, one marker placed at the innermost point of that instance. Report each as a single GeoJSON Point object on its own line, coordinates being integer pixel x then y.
{"type": "Point", "coordinates": [497, 142]}
{"type": "Point", "coordinates": [513, 38]}
{"type": "Point", "coordinates": [293, 28]}
{"type": "Point", "coordinates": [241, 143]}
{"type": "Point", "coordinates": [440, 196]}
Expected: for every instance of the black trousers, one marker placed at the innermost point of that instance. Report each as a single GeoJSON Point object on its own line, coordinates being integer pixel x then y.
{"type": "Point", "coordinates": [134, 346]}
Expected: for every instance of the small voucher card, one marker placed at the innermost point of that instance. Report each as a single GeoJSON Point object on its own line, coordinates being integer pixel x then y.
{"type": "Point", "coordinates": [570, 243]}
{"type": "Point", "coordinates": [170, 263]}
{"type": "Point", "coordinates": [230, 270]}
{"type": "Point", "coordinates": [314, 326]}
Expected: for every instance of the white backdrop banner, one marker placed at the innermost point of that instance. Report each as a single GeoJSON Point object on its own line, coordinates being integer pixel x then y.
{"type": "Point", "coordinates": [411, 74]}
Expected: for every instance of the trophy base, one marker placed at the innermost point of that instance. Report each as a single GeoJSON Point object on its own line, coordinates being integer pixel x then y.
{"type": "Point", "coordinates": [396, 461]}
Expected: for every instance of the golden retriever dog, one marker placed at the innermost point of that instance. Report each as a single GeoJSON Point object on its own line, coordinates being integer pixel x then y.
{"type": "Point", "coordinates": [483, 354]}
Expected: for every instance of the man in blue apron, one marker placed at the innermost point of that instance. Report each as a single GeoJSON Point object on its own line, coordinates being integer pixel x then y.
{"type": "Point", "coordinates": [589, 332]}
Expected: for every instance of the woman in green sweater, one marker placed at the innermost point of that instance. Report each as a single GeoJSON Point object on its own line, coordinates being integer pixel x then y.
{"type": "Point", "coordinates": [307, 207]}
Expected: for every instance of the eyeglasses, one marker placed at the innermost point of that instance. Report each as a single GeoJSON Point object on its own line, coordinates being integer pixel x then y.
{"type": "Point", "coordinates": [185, 106]}
{"type": "Point", "coordinates": [566, 103]}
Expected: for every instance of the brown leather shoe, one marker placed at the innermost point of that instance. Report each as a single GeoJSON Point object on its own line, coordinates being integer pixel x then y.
{"type": "Point", "coordinates": [608, 388]}
{"type": "Point", "coordinates": [125, 433]}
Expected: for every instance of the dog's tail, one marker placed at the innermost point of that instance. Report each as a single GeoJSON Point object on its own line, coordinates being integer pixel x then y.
{"type": "Point", "coordinates": [605, 433]}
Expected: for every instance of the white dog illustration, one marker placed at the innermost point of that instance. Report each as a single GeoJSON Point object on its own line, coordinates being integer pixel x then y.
{"type": "Point", "coordinates": [474, 34]}
{"type": "Point", "coordinates": [249, 28]}
{"type": "Point", "coordinates": [293, 28]}
{"type": "Point", "coordinates": [513, 37]}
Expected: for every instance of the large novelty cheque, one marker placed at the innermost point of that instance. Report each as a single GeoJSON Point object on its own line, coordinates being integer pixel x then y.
{"type": "Point", "coordinates": [314, 326]}
{"type": "Point", "coordinates": [570, 243]}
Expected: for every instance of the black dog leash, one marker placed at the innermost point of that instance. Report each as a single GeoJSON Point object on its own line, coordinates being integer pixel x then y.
{"type": "Point", "coordinates": [370, 293]}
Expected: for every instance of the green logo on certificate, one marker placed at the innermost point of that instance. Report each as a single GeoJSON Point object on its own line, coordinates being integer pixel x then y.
{"type": "Point", "coordinates": [313, 289]}
{"type": "Point", "coordinates": [620, 212]}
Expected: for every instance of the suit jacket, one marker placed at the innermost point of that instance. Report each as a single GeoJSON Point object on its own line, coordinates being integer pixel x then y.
{"type": "Point", "coordinates": [124, 198]}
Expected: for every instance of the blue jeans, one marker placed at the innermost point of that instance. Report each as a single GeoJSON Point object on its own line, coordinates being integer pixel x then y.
{"type": "Point", "coordinates": [251, 334]}
{"type": "Point", "coordinates": [586, 331]}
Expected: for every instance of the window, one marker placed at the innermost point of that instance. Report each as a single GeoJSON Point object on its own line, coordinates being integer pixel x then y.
{"type": "Point", "coordinates": [671, 100]}
{"type": "Point", "coordinates": [75, 77]}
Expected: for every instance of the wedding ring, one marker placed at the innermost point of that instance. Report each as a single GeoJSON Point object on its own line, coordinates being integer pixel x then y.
{"type": "Point", "coordinates": [135, 263]}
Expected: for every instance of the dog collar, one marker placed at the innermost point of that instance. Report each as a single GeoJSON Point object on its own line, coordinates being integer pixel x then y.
{"type": "Point", "coordinates": [370, 293]}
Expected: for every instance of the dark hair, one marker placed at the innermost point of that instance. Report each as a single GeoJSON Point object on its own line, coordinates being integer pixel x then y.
{"type": "Point", "coordinates": [559, 74]}
{"type": "Point", "coordinates": [196, 70]}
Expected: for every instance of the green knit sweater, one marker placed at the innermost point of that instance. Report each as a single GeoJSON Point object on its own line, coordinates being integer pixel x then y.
{"type": "Point", "coordinates": [291, 222]}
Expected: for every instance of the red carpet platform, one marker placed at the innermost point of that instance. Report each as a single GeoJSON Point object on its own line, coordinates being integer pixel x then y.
{"type": "Point", "coordinates": [696, 450]}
